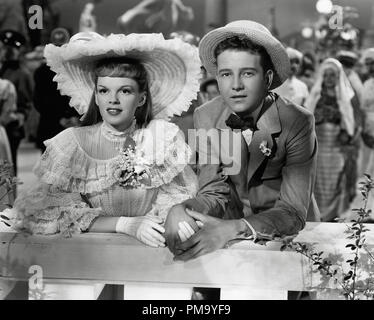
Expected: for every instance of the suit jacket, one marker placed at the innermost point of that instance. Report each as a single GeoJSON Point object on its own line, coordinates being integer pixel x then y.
{"type": "Point", "coordinates": [273, 193]}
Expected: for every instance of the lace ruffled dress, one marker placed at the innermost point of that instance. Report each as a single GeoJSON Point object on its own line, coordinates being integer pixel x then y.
{"type": "Point", "coordinates": [82, 176]}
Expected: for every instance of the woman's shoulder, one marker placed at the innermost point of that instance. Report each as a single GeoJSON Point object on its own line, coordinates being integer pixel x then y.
{"type": "Point", "coordinates": [72, 135]}
{"type": "Point", "coordinates": [66, 165]}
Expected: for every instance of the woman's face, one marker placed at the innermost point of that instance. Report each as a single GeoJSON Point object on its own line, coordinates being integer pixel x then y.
{"type": "Point", "coordinates": [330, 77]}
{"type": "Point", "coordinates": [118, 99]}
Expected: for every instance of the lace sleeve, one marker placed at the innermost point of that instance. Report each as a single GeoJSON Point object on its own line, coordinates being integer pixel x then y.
{"type": "Point", "coordinates": [47, 210]}
{"type": "Point", "coordinates": [184, 186]}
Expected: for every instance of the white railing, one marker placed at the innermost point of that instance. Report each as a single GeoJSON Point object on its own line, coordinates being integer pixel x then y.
{"type": "Point", "coordinates": [80, 266]}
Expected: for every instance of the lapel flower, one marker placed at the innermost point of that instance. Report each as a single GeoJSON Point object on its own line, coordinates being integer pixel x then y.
{"type": "Point", "coordinates": [264, 148]}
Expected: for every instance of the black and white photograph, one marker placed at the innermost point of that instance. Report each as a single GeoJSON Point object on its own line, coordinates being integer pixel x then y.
{"type": "Point", "coordinates": [185, 155]}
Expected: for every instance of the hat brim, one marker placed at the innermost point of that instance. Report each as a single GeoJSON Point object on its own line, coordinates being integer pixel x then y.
{"type": "Point", "coordinates": [173, 68]}
{"type": "Point", "coordinates": [274, 48]}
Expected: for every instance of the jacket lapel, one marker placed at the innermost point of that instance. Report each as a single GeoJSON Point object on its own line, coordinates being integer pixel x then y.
{"type": "Point", "coordinates": [268, 124]}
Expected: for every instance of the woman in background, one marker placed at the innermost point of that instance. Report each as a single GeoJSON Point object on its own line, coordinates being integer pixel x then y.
{"type": "Point", "coordinates": [330, 101]}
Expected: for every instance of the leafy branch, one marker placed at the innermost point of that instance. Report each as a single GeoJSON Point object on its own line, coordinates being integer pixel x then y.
{"type": "Point", "coordinates": [350, 284]}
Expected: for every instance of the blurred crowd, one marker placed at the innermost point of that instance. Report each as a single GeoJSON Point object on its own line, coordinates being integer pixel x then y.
{"type": "Point", "coordinates": [339, 89]}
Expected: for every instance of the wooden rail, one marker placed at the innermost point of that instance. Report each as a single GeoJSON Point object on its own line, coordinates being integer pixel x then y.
{"type": "Point", "coordinates": [243, 271]}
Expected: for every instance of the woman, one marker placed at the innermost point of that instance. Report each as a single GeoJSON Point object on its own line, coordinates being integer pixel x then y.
{"type": "Point", "coordinates": [126, 165]}
{"type": "Point", "coordinates": [330, 100]}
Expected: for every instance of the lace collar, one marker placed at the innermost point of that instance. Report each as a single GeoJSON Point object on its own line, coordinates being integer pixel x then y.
{"type": "Point", "coordinates": [114, 135]}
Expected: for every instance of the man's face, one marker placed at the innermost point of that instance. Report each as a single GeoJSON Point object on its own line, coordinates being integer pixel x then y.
{"type": "Point", "coordinates": [241, 80]}
{"type": "Point", "coordinates": [295, 66]}
{"type": "Point", "coordinates": [212, 91]}
{"type": "Point", "coordinates": [11, 53]}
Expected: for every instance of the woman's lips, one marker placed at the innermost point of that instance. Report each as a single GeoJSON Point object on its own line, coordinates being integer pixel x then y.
{"type": "Point", "coordinates": [113, 111]}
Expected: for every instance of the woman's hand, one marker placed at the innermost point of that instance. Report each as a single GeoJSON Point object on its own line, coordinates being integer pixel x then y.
{"type": "Point", "coordinates": [185, 230]}
{"type": "Point", "coordinates": [176, 214]}
{"type": "Point", "coordinates": [147, 229]}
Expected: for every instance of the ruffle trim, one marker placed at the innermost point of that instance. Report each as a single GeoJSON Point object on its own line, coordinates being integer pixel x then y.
{"type": "Point", "coordinates": [66, 166]}
{"type": "Point", "coordinates": [73, 64]}
{"type": "Point", "coordinates": [43, 211]}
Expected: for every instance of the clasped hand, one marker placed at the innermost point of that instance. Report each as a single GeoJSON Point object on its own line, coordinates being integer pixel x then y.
{"type": "Point", "coordinates": [197, 234]}
{"type": "Point", "coordinates": [147, 229]}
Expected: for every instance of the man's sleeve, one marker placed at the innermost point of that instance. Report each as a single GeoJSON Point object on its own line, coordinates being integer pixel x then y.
{"type": "Point", "coordinates": [289, 213]}
{"type": "Point", "coordinates": [214, 191]}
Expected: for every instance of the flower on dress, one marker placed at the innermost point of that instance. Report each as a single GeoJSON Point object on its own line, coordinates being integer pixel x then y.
{"type": "Point", "coordinates": [130, 170]}
{"type": "Point", "coordinates": [264, 148]}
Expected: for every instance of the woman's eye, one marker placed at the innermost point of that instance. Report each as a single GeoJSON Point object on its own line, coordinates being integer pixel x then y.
{"type": "Point", "coordinates": [102, 91]}
{"type": "Point", "coordinates": [126, 91]}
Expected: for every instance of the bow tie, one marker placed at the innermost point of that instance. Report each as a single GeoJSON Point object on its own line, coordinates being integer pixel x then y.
{"type": "Point", "coordinates": [235, 122]}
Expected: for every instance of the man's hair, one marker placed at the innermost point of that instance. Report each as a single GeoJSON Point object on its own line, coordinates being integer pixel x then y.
{"type": "Point", "coordinates": [242, 43]}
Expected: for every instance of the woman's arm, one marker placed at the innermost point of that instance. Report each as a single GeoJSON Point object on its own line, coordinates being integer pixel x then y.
{"type": "Point", "coordinates": [104, 225]}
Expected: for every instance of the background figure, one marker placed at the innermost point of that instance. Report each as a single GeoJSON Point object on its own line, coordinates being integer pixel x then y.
{"type": "Point", "coordinates": [330, 100]}
{"type": "Point", "coordinates": [156, 16]}
{"type": "Point", "coordinates": [293, 88]}
{"type": "Point", "coordinates": [307, 69]}
{"type": "Point", "coordinates": [209, 89]}
{"type": "Point", "coordinates": [55, 112]}
{"type": "Point", "coordinates": [8, 100]}
{"type": "Point", "coordinates": [87, 21]}
{"type": "Point", "coordinates": [11, 17]}
{"type": "Point", "coordinates": [348, 59]}
{"type": "Point", "coordinates": [368, 109]}
{"type": "Point", "coordinates": [13, 70]}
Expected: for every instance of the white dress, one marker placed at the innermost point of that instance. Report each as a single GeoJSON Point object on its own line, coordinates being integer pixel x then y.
{"type": "Point", "coordinates": [79, 177]}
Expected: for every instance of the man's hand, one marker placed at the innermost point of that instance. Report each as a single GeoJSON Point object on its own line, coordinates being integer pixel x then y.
{"type": "Point", "coordinates": [214, 234]}
{"type": "Point", "coordinates": [176, 214]}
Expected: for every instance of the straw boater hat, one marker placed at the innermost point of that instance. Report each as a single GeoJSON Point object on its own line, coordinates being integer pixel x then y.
{"type": "Point", "coordinates": [255, 32]}
{"type": "Point", "coordinates": [173, 68]}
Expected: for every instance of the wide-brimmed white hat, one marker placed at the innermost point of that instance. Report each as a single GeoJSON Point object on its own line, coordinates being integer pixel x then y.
{"type": "Point", "coordinates": [255, 32]}
{"type": "Point", "coordinates": [173, 68]}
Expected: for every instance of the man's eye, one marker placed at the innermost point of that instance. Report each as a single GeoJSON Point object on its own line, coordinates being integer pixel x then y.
{"type": "Point", "coordinates": [247, 74]}
{"type": "Point", "coordinates": [225, 74]}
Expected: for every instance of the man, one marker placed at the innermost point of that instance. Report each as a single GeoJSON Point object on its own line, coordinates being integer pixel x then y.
{"type": "Point", "coordinates": [293, 88]}
{"type": "Point", "coordinates": [12, 70]}
{"type": "Point", "coordinates": [209, 89]}
{"type": "Point", "coordinates": [272, 194]}
{"type": "Point", "coordinates": [52, 120]}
